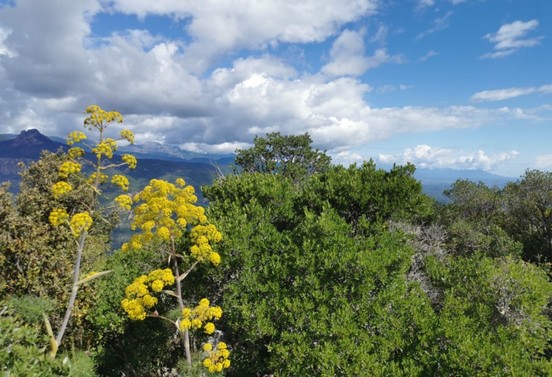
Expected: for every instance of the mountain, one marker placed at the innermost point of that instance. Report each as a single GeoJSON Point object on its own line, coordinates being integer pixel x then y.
{"type": "Point", "coordinates": [169, 162]}
{"type": "Point", "coordinates": [28, 145]}
{"type": "Point", "coordinates": [435, 181]}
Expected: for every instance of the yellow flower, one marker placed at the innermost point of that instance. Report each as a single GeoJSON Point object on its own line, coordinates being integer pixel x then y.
{"type": "Point", "coordinates": [67, 168]}
{"type": "Point", "coordinates": [99, 118]}
{"type": "Point", "coordinates": [214, 258]}
{"type": "Point", "coordinates": [157, 285]}
{"type": "Point", "coordinates": [124, 201]}
{"type": "Point", "coordinates": [130, 160]}
{"type": "Point", "coordinates": [60, 188]}
{"type": "Point", "coordinates": [207, 347]}
{"type": "Point", "coordinates": [128, 135]}
{"type": "Point", "coordinates": [149, 301]}
{"type": "Point", "coordinates": [58, 216]}
{"type": "Point", "coordinates": [121, 181]}
{"type": "Point", "coordinates": [196, 323]}
{"type": "Point", "coordinates": [75, 152]}
{"type": "Point", "coordinates": [168, 277]}
{"type": "Point", "coordinates": [101, 178]}
{"type": "Point", "coordinates": [214, 312]}
{"type": "Point", "coordinates": [207, 363]}
{"type": "Point", "coordinates": [80, 222]}
{"type": "Point", "coordinates": [209, 328]}
{"type": "Point", "coordinates": [186, 313]}
{"type": "Point", "coordinates": [185, 324]}
{"type": "Point", "coordinates": [75, 137]}
{"type": "Point", "coordinates": [164, 233]}
{"type": "Point", "coordinates": [222, 346]}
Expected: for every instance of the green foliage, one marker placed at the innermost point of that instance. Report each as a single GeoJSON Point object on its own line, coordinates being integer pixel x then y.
{"type": "Point", "coordinates": [290, 156]}
{"type": "Point", "coordinates": [529, 203]}
{"type": "Point", "coordinates": [517, 218]}
{"type": "Point", "coordinates": [492, 317]}
{"type": "Point", "coordinates": [316, 283]}
{"type": "Point", "coordinates": [34, 255]}
{"type": "Point", "coordinates": [313, 276]}
{"type": "Point", "coordinates": [23, 347]}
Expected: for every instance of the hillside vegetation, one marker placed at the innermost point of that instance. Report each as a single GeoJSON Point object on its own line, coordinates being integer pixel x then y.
{"type": "Point", "coordinates": [297, 267]}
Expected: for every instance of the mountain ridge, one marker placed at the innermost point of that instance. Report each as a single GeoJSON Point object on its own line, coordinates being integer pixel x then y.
{"type": "Point", "coordinates": [167, 161]}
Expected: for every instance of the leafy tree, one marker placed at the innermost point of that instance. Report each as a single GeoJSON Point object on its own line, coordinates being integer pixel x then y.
{"type": "Point", "coordinates": [34, 254]}
{"type": "Point", "coordinates": [475, 220]}
{"type": "Point", "coordinates": [290, 156]}
{"type": "Point", "coordinates": [310, 264]}
{"type": "Point", "coordinates": [319, 281]}
{"type": "Point", "coordinates": [529, 204]}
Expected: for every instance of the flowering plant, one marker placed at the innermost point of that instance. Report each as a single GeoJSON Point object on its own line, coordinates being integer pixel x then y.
{"type": "Point", "coordinates": [81, 222]}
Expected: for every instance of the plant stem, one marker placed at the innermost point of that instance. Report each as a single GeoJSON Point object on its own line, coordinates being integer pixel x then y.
{"type": "Point", "coordinates": [74, 290]}
{"type": "Point", "coordinates": [185, 335]}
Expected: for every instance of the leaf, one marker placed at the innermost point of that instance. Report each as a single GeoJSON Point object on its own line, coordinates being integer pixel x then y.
{"type": "Point", "coordinates": [94, 276]}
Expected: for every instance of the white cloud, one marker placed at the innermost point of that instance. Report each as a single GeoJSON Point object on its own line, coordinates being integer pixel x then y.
{"type": "Point", "coordinates": [4, 50]}
{"type": "Point", "coordinates": [347, 56]}
{"type": "Point", "coordinates": [544, 162]}
{"type": "Point", "coordinates": [511, 37]}
{"type": "Point", "coordinates": [152, 82]}
{"type": "Point", "coordinates": [426, 156]}
{"type": "Point", "coordinates": [426, 3]}
{"type": "Point", "coordinates": [504, 94]}
{"type": "Point", "coordinates": [440, 23]}
{"type": "Point", "coordinates": [219, 26]}
{"type": "Point", "coordinates": [428, 55]}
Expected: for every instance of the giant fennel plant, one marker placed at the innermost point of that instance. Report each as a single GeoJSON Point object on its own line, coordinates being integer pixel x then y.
{"type": "Point", "coordinates": [167, 218]}
{"type": "Point", "coordinates": [79, 223]}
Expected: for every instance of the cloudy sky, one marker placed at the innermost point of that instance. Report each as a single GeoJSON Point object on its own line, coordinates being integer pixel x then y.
{"type": "Point", "coordinates": [464, 84]}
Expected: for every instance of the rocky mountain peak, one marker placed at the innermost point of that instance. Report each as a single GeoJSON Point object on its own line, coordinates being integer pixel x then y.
{"type": "Point", "coordinates": [31, 137]}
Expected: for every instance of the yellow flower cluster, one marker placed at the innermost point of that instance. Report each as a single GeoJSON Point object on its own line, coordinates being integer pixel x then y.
{"type": "Point", "coordinates": [80, 222]}
{"type": "Point", "coordinates": [75, 137]}
{"type": "Point", "coordinates": [124, 201]}
{"type": "Point", "coordinates": [105, 148]}
{"type": "Point", "coordinates": [98, 118]}
{"type": "Point", "coordinates": [67, 168]}
{"type": "Point", "coordinates": [60, 188]}
{"type": "Point", "coordinates": [138, 296]}
{"type": "Point", "coordinates": [201, 316]}
{"type": "Point", "coordinates": [121, 181]}
{"type": "Point", "coordinates": [58, 216]}
{"type": "Point", "coordinates": [130, 160]}
{"type": "Point", "coordinates": [128, 136]}
{"type": "Point", "coordinates": [202, 236]}
{"type": "Point", "coordinates": [75, 152]}
{"type": "Point", "coordinates": [101, 178]}
{"type": "Point", "coordinates": [164, 211]}
{"type": "Point", "coordinates": [217, 359]}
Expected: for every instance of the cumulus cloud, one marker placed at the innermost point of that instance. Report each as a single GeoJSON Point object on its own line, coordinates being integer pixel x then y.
{"type": "Point", "coordinates": [426, 156]}
{"type": "Point", "coordinates": [52, 73]}
{"type": "Point", "coordinates": [217, 27]}
{"type": "Point", "coordinates": [511, 37]}
{"type": "Point", "coordinates": [504, 94]}
{"type": "Point", "coordinates": [347, 56]}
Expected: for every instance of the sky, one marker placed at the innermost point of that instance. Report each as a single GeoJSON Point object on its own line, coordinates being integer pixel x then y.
{"type": "Point", "coordinates": [463, 84]}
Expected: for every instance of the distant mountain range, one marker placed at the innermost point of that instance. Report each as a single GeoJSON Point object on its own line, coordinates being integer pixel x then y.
{"type": "Point", "coordinates": [157, 160]}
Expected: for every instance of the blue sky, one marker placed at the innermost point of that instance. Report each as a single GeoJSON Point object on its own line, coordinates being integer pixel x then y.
{"type": "Point", "coordinates": [464, 84]}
